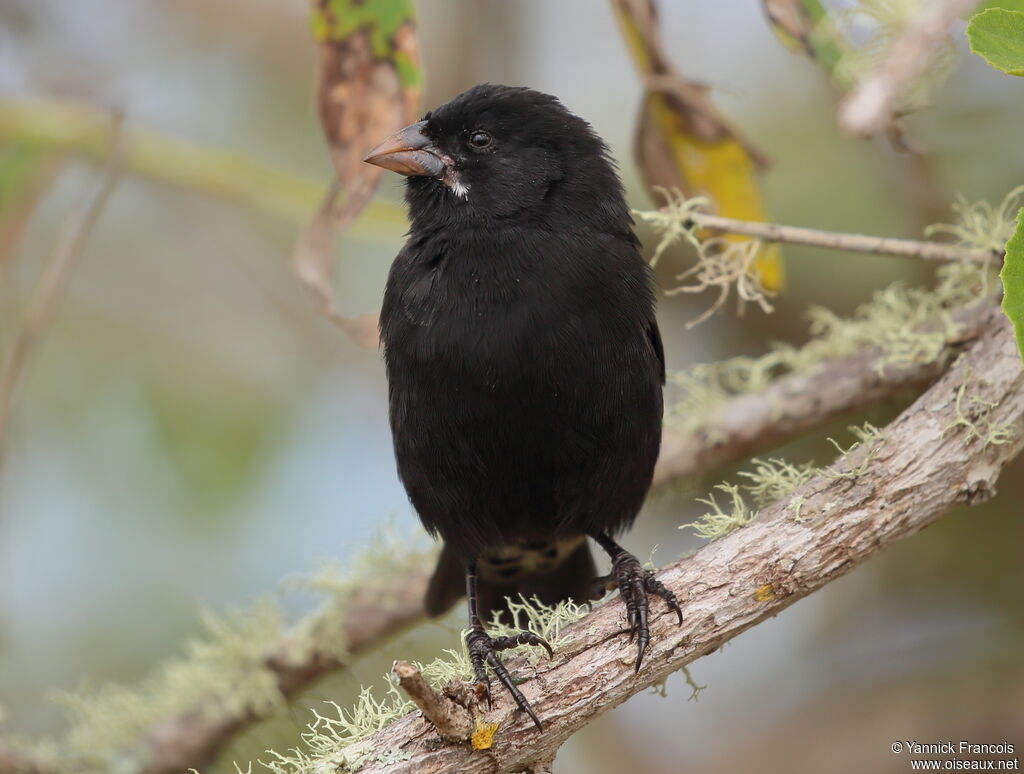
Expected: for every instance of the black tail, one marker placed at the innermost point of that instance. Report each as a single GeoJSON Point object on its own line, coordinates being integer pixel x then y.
{"type": "Point", "coordinates": [572, 579]}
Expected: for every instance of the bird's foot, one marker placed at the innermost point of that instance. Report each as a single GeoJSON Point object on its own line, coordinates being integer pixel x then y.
{"type": "Point", "coordinates": [483, 652]}
{"type": "Point", "coordinates": [634, 584]}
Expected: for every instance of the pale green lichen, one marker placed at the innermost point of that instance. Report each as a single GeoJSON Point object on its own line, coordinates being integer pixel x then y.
{"type": "Point", "coordinates": [906, 325]}
{"type": "Point", "coordinates": [546, 621]}
{"type": "Point", "coordinates": [224, 672]}
{"type": "Point", "coordinates": [981, 225]}
{"type": "Point", "coordinates": [976, 418]}
{"type": "Point", "coordinates": [770, 480]}
{"type": "Point", "coordinates": [796, 505]}
{"type": "Point", "coordinates": [392, 756]}
{"type": "Point", "coordinates": [660, 688]}
{"type": "Point", "coordinates": [869, 438]}
{"type": "Point", "coordinates": [722, 263]}
{"type": "Point", "coordinates": [390, 554]}
{"type": "Point", "coordinates": [38, 754]}
{"type": "Point", "coordinates": [695, 690]}
{"type": "Point", "coordinates": [773, 479]}
{"type": "Point", "coordinates": [675, 222]}
{"type": "Point", "coordinates": [717, 522]}
{"type": "Point", "coordinates": [337, 741]}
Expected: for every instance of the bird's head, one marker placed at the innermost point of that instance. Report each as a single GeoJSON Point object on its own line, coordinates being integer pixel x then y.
{"type": "Point", "coordinates": [496, 151]}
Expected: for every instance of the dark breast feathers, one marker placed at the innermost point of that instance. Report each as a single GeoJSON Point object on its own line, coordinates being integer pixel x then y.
{"type": "Point", "coordinates": [526, 392]}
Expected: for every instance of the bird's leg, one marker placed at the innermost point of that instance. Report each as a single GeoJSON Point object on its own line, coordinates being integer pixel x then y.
{"type": "Point", "coordinates": [634, 584]}
{"type": "Point", "coordinates": [483, 650]}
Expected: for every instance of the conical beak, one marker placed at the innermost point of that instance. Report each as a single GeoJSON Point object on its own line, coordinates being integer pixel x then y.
{"type": "Point", "coordinates": [408, 152]}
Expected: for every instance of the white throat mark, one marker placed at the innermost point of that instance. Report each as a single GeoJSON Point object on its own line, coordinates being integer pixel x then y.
{"type": "Point", "coordinates": [455, 184]}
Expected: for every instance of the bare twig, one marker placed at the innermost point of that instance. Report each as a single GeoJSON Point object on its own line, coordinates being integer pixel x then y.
{"type": "Point", "coordinates": [869, 109]}
{"type": "Point", "coordinates": [858, 243]}
{"type": "Point", "coordinates": [313, 261]}
{"type": "Point", "coordinates": [66, 252]}
{"type": "Point", "coordinates": [219, 172]}
{"type": "Point", "coordinates": [452, 720]}
{"type": "Point", "coordinates": [926, 463]}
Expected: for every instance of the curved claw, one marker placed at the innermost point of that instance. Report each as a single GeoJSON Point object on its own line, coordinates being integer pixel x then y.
{"type": "Point", "coordinates": [483, 650]}
{"type": "Point", "coordinates": [635, 583]}
{"type": "Point", "coordinates": [655, 586]}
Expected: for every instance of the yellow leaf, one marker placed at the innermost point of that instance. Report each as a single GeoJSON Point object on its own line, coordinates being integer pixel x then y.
{"type": "Point", "coordinates": [684, 143]}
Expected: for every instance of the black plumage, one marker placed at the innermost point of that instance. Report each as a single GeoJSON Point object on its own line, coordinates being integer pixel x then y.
{"type": "Point", "coordinates": [524, 362]}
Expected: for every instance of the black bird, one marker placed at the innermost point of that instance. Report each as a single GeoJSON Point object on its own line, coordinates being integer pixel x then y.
{"type": "Point", "coordinates": [524, 362]}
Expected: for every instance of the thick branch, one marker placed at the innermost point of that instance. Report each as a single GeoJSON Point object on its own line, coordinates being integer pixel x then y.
{"type": "Point", "coordinates": [797, 403]}
{"type": "Point", "coordinates": [936, 454]}
{"type": "Point", "coordinates": [739, 427]}
{"type": "Point", "coordinates": [870, 108]}
{"type": "Point", "coordinates": [858, 243]}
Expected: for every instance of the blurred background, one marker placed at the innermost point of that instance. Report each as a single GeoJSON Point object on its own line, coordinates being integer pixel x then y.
{"type": "Point", "coordinates": [191, 430]}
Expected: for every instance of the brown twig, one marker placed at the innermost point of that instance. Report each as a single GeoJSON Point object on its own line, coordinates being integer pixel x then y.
{"type": "Point", "coordinates": [452, 720]}
{"type": "Point", "coordinates": [858, 243]}
{"type": "Point", "coordinates": [926, 462]}
{"type": "Point", "coordinates": [66, 252]}
{"type": "Point", "coordinates": [869, 109]}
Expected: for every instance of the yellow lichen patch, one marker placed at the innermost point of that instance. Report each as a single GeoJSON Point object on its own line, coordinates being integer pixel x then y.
{"type": "Point", "coordinates": [483, 737]}
{"type": "Point", "coordinates": [765, 593]}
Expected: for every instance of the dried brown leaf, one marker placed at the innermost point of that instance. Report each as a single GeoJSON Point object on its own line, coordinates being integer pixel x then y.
{"type": "Point", "coordinates": [369, 85]}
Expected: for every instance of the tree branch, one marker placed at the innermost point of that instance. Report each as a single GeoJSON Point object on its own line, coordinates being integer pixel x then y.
{"type": "Point", "coordinates": [797, 403]}
{"type": "Point", "coordinates": [373, 614]}
{"type": "Point", "coordinates": [739, 427]}
{"type": "Point", "coordinates": [940, 452]}
{"type": "Point", "coordinates": [858, 243]}
{"type": "Point", "coordinates": [869, 109]}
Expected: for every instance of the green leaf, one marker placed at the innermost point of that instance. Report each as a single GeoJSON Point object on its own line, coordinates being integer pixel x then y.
{"type": "Point", "coordinates": [997, 35]}
{"type": "Point", "coordinates": [383, 22]}
{"type": "Point", "coordinates": [1010, 5]}
{"type": "Point", "coordinates": [1012, 276]}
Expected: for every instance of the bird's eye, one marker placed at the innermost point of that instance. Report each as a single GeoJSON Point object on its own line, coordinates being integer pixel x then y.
{"type": "Point", "coordinates": [480, 139]}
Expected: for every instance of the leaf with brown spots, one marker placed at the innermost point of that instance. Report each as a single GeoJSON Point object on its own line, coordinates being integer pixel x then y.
{"type": "Point", "coordinates": [369, 87]}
